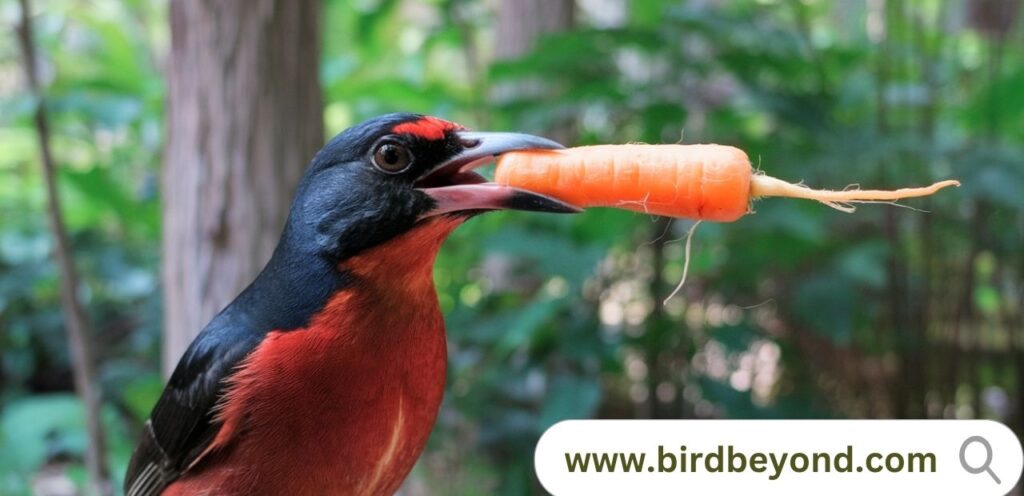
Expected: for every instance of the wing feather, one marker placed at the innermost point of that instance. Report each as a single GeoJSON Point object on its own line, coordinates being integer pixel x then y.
{"type": "Point", "coordinates": [183, 422]}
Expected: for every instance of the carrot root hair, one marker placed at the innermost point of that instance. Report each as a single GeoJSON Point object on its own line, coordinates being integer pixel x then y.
{"type": "Point", "coordinates": [686, 263]}
{"type": "Point", "coordinates": [762, 185]}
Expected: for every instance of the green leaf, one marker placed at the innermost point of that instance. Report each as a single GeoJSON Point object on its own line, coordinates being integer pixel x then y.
{"type": "Point", "coordinates": [101, 194]}
{"type": "Point", "coordinates": [32, 427]}
{"type": "Point", "coordinates": [141, 393]}
{"type": "Point", "coordinates": [827, 305]}
{"type": "Point", "coordinates": [527, 322]}
{"type": "Point", "coordinates": [569, 397]}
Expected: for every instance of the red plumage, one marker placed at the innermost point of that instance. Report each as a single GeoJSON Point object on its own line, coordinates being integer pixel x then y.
{"type": "Point", "coordinates": [427, 127]}
{"type": "Point", "coordinates": [346, 406]}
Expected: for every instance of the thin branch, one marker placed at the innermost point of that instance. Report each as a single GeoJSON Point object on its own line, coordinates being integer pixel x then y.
{"type": "Point", "coordinates": [75, 319]}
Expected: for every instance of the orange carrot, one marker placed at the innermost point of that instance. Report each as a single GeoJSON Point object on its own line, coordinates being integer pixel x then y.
{"type": "Point", "coordinates": [707, 182]}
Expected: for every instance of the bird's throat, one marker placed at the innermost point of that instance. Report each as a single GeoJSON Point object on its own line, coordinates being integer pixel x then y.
{"type": "Point", "coordinates": [407, 261]}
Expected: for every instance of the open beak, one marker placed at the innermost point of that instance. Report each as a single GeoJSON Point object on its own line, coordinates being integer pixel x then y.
{"type": "Point", "coordinates": [456, 188]}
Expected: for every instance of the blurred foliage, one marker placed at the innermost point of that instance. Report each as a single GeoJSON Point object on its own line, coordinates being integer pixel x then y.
{"type": "Point", "coordinates": [797, 311]}
{"type": "Point", "coordinates": [105, 100]}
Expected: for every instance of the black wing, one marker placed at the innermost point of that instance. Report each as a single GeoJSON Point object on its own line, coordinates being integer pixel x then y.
{"type": "Point", "coordinates": [182, 424]}
{"type": "Point", "coordinates": [289, 291]}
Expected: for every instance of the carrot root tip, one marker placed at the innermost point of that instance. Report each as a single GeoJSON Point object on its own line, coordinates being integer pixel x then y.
{"type": "Point", "coordinates": [762, 185]}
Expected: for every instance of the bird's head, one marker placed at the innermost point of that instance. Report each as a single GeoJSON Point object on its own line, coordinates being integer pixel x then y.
{"type": "Point", "coordinates": [397, 172]}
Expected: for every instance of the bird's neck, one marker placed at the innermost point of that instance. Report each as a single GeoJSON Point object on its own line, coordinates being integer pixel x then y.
{"type": "Point", "coordinates": [294, 286]}
{"type": "Point", "coordinates": [298, 284]}
{"type": "Point", "coordinates": [402, 264]}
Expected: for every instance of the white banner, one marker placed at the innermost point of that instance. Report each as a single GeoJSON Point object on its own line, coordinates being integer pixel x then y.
{"type": "Point", "coordinates": [791, 457]}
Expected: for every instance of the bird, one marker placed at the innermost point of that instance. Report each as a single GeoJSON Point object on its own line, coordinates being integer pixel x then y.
{"type": "Point", "coordinates": [325, 375]}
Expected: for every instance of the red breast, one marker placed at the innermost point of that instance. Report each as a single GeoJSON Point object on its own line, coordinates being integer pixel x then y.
{"type": "Point", "coordinates": [348, 402]}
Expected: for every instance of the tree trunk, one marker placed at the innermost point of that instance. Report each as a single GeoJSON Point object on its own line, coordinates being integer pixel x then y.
{"type": "Point", "coordinates": [520, 24]}
{"type": "Point", "coordinates": [244, 118]}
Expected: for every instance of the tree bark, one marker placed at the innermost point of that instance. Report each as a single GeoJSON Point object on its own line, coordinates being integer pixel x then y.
{"type": "Point", "coordinates": [244, 117]}
{"type": "Point", "coordinates": [520, 23]}
{"type": "Point", "coordinates": [76, 321]}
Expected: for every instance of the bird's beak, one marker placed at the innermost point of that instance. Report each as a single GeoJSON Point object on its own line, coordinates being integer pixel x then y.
{"type": "Point", "coordinates": [454, 187]}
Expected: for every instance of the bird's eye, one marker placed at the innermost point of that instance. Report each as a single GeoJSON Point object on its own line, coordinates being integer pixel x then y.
{"type": "Point", "coordinates": [391, 157]}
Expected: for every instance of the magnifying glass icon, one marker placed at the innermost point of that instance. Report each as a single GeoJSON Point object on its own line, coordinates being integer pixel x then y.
{"type": "Point", "coordinates": [985, 466]}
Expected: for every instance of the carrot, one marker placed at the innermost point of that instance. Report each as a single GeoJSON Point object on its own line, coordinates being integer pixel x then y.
{"type": "Point", "coordinates": [706, 182]}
